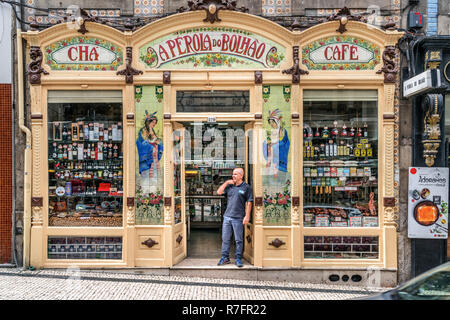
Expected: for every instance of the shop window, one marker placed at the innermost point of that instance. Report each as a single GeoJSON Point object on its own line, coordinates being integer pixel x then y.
{"type": "Point", "coordinates": [85, 159]}
{"type": "Point", "coordinates": [340, 158]}
{"type": "Point", "coordinates": [213, 101]}
{"type": "Point", "coordinates": [149, 106]}
{"type": "Point", "coordinates": [340, 247]}
{"type": "Point", "coordinates": [84, 248]}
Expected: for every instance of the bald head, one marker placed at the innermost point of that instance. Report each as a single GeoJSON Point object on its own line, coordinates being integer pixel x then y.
{"type": "Point", "coordinates": [238, 175]}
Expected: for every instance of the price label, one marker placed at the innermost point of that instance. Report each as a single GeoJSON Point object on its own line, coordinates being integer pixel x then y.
{"type": "Point", "coordinates": [212, 119]}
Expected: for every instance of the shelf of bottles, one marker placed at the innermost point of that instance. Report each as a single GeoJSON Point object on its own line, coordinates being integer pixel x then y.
{"type": "Point", "coordinates": [340, 174]}
{"type": "Point", "coordinates": [85, 168]}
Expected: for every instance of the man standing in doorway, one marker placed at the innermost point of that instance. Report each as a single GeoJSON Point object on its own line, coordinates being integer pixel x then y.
{"type": "Point", "coordinates": [239, 206]}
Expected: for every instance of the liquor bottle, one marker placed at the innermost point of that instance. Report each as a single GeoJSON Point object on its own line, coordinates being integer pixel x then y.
{"type": "Point", "coordinates": [80, 131]}
{"type": "Point", "coordinates": [92, 151]}
{"type": "Point", "coordinates": [105, 134]}
{"type": "Point", "coordinates": [87, 154]}
{"type": "Point", "coordinates": [352, 132]}
{"type": "Point", "coordinates": [74, 132]}
{"type": "Point", "coordinates": [365, 133]}
{"type": "Point", "coordinates": [344, 131]}
{"type": "Point", "coordinates": [327, 150]}
{"type": "Point", "coordinates": [80, 152]}
{"type": "Point", "coordinates": [335, 130]}
{"type": "Point", "coordinates": [110, 151]}
{"type": "Point", "coordinates": [69, 133]}
{"type": "Point", "coordinates": [101, 132]}
{"type": "Point", "coordinates": [96, 131]}
{"type": "Point", "coordinates": [359, 133]}
{"type": "Point", "coordinates": [91, 132]}
{"type": "Point", "coordinates": [116, 152]}
{"type": "Point", "coordinates": [325, 133]}
{"type": "Point", "coordinates": [69, 152]}
{"type": "Point", "coordinates": [110, 134]}
{"type": "Point", "coordinates": [86, 132]}
{"type": "Point", "coordinates": [114, 132]}
{"type": "Point", "coordinates": [75, 151]}
{"type": "Point", "coordinates": [100, 151]}
{"type": "Point", "coordinates": [317, 133]}
{"type": "Point", "coordinates": [65, 152]}
{"type": "Point", "coordinates": [64, 133]}
{"type": "Point", "coordinates": [57, 131]}
{"type": "Point", "coordinates": [335, 147]}
{"type": "Point", "coordinates": [55, 151]}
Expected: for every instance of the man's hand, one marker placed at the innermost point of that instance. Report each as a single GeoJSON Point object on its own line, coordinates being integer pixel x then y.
{"type": "Point", "coordinates": [229, 181]}
{"type": "Point", "coordinates": [246, 220]}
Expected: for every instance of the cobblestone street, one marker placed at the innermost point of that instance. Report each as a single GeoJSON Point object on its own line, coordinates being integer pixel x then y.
{"type": "Point", "coordinates": [73, 284]}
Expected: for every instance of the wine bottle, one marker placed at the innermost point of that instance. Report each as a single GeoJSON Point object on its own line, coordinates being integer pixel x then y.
{"type": "Point", "coordinates": [91, 132]}
{"type": "Point", "coordinates": [55, 151]}
{"type": "Point", "coordinates": [64, 133]}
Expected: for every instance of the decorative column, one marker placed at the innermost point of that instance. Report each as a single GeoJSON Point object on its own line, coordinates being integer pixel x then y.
{"type": "Point", "coordinates": [258, 231]}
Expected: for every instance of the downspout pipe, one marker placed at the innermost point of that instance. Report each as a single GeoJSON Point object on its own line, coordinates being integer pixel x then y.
{"type": "Point", "coordinates": [27, 151]}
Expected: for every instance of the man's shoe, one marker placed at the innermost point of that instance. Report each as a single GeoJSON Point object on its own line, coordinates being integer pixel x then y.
{"type": "Point", "coordinates": [223, 261]}
{"type": "Point", "coordinates": [239, 263]}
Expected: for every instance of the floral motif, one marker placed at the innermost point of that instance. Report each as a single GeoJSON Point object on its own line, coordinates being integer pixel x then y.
{"type": "Point", "coordinates": [212, 60]}
{"type": "Point", "coordinates": [138, 93]}
{"type": "Point", "coordinates": [287, 93]}
{"type": "Point", "coordinates": [149, 207]}
{"type": "Point", "coordinates": [159, 93]}
{"type": "Point", "coordinates": [150, 58]}
{"type": "Point", "coordinates": [51, 49]}
{"type": "Point", "coordinates": [277, 206]}
{"type": "Point", "coordinates": [266, 93]}
{"type": "Point", "coordinates": [306, 51]}
{"type": "Point", "coordinates": [273, 58]}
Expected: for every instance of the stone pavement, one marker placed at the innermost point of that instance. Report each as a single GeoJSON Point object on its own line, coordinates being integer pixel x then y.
{"type": "Point", "coordinates": [73, 284]}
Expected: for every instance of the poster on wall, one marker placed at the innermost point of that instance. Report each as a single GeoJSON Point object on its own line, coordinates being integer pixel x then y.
{"type": "Point", "coordinates": [149, 154]}
{"type": "Point", "coordinates": [428, 203]}
{"type": "Point", "coordinates": [276, 164]}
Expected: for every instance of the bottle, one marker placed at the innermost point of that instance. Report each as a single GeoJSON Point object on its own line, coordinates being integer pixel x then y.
{"type": "Point", "coordinates": [96, 131]}
{"type": "Point", "coordinates": [105, 134]}
{"type": "Point", "coordinates": [110, 151]}
{"type": "Point", "coordinates": [91, 132]}
{"type": "Point", "coordinates": [80, 152]}
{"type": "Point", "coordinates": [88, 152]}
{"type": "Point", "coordinates": [55, 151]}
{"type": "Point", "coordinates": [57, 133]}
{"type": "Point", "coordinates": [344, 131]}
{"type": "Point", "coordinates": [69, 133]}
{"type": "Point", "coordinates": [335, 130]}
{"type": "Point", "coordinates": [86, 132]}
{"type": "Point", "coordinates": [327, 150]}
{"type": "Point", "coordinates": [325, 132]}
{"type": "Point", "coordinates": [352, 132]}
{"type": "Point", "coordinates": [64, 133]}
{"type": "Point", "coordinates": [365, 133]}
{"type": "Point", "coordinates": [317, 133]}
{"type": "Point", "coordinates": [80, 131]}
{"type": "Point", "coordinates": [69, 152]}
{"type": "Point", "coordinates": [75, 151]}
{"type": "Point", "coordinates": [100, 132]}
{"type": "Point", "coordinates": [335, 147]}
{"type": "Point", "coordinates": [92, 156]}
{"type": "Point", "coordinates": [116, 152]}
{"type": "Point", "coordinates": [100, 151]}
{"type": "Point", "coordinates": [64, 156]}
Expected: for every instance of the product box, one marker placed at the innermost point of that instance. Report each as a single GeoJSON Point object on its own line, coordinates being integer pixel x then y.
{"type": "Point", "coordinates": [326, 172]}
{"type": "Point", "coordinates": [355, 221]}
{"type": "Point", "coordinates": [307, 172]}
{"type": "Point", "coordinates": [346, 172]}
{"type": "Point", "coordinates": [353, 172]}
{"type": "Point", "coordinates": [359, 172]}
{"type": "Point", "coordinates": [322, 221]}
{"type": "Point", "coordinates": [370, 221]}
{"type": "Point", "coordinates": [367, 172]}
{"type": "Point", "coordinates": [340, 172]}
{"type": "Point", "coordinates": [320, 171]}
{"type": "Point", "coordinates": [333, 171]}
{"type": "Point", "coordinates": [308, 217]}
{"type": "Point", "coordinates": [339, 224]}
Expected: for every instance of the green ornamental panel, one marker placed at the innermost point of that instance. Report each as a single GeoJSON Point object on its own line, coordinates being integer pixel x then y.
{"type": "Point", "coordinates": [149, 155]}
{"type": "Point", "coordinates": [276, 164]}
{"type": "Point", "coordinates": [212, 48]}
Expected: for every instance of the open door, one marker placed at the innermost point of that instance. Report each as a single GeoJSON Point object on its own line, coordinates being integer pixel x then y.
{"type": "Point", "coordinates": [179, 230]}
{"type": "Point", "coordinates": [249, 174]}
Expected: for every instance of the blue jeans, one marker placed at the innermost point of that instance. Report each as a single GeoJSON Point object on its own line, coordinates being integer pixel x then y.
{"type": "Point", "coordinates": [229, 225]}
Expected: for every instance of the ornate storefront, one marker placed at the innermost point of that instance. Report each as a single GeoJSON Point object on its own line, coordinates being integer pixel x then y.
{"type": "Point", "coordinates": [115, 113]}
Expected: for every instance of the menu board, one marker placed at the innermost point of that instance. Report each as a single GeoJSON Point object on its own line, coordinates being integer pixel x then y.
{"type": "Point", "coordinates": [428, 203]}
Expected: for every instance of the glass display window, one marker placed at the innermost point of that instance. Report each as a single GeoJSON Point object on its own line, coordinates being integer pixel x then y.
{"type": "Point", "coordinates": [85, 158]}
{"type": "Point", "coordinates": [340, 158]}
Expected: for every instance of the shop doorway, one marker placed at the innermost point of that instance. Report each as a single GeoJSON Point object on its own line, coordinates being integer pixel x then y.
{"type": "Point", "coordinates": [208, 154]}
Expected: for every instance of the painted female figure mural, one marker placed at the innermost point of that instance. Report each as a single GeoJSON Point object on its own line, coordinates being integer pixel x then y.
{"type": "Point", "coordinates": [150, 151]}
{"type": "Point", "coordinates": [276, 150]}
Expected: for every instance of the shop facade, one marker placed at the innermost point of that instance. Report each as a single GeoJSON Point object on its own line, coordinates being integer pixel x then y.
{"type": "Point", "coordinates": [132, 133]}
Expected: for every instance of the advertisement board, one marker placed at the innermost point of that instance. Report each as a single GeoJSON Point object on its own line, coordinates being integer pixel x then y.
{"type": "Point", "coordinates": [428, 203]}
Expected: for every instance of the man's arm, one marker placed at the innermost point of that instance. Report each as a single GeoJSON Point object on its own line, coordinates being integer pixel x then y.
{"type": "Point", "coordinates": [222, 188]}
{"type": "Point", "coordinates": [248, 211]}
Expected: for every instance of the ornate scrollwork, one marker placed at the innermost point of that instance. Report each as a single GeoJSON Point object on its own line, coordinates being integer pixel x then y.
{"type": "Point", "coordinates": [34, 69]}
{"type": "Point", "coordinates": [212, 8]}
{"type": "Point", "coordinates": [129, 71]}
{"type": "Point", "coordinates": [344, 16]}
{"type": "Point", "coordinates": [86, 17]}
{"type": "Point", "coordinates": [295, 69]}
{"type": "Point", "coordinates": [149, 242]}
{"type": "Point", "coordinates": [390, 67]}
{"type": "Point", "coordinates": [431, 138]}
{"type": "Point", "coordinates": [277, 243]}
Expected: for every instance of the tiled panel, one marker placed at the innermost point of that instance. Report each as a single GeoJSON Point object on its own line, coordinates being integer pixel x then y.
{"type": "Point", "coordinates": [276, 7]}
{"type": "Point", "coordinates": [341, 247]}
{"type": "Point", "coordinates": [84, 248]}
{"type": "Point", "coordinates": [5, 173]}
{"type": "Point", "coordinates": [148, 7]}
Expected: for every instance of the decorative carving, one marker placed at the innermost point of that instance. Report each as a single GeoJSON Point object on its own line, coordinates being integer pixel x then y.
{"type": "Point", "coordinates": [179, 238]}
{"type": "Point", "coordinates": [149, 242]}
{"type": "Point", "coordinates": [389, 201]}
{"type": "Point", "coordinates": [295, 216]}
{"type": "Point", "coordinates": [258, 201]}
{"type": "Point", "coordinates": [36, 130]}
{"type": "Point", "coordinates": [296, 201]}
{"type": "Point", "coordinates": [129, 71]}
{"type": "Point", "coordinates": [166, 77]}
{"type": "Point", "coordinates": [390, 25]}
{"type": "Point", "coordinates": [258, 77]}
{"type": "Point", "coordinates": [259, 215]}
{"type": "Point", "coordinates": [130, 201]}
{"type": "Point", "coordinates": [390, 217]}
{"type": "Point", "coordinates": [34, 69]}
{"type": "Point", "coordinates": [85, 18]}
{"type": "Point", "coordinates": [212, 8]}
{"type": "Point", "coordinates": [390, 67]}
{"type": "Point", "coordinates": [167, 201]}
{"type": "Point", "coordinates": [249, 239]}
{"type": "Point", "coordinates": [277, 243]}
{"type": "Point", "coordinates": [131, 218]}
{"type": "Point", "coordinates": [344, 16]}
{"type": "Point", "coordinates": [36, 217]}
{"type": "Point", "coordinates": [37, 201]}
{"type": "Point", "coordinates": [295, 69]}
{"type": "Point", "coordinates": [431, 138]}
{"type": "Point", "coordinates": [389, 159]}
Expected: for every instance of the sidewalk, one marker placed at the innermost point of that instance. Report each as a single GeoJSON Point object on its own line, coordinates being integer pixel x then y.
{"type": "Point", "coordinates": [73, 284]}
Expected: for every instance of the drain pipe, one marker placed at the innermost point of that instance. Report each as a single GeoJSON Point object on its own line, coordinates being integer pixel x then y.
{"type": "Point", "coordinates": [27, 153]}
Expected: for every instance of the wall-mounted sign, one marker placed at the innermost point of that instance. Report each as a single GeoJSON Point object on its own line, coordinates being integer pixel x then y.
{"type": "Point", "coordinates": [428, 203]}
{"type": "Point", "coordinates": [212, 47]}
{"type": "Point", "coordinates": [83, 53]}
{"type": "Point", "coordinates": [340, 53]}
{"type": "Point", "coordinates": [422, 83]}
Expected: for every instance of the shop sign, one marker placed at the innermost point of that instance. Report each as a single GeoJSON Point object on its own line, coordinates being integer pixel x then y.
{"type": "Point", "coordinates": [340, 53]}
{"type": "Point", "coordinates": [83, 53]}
{"type": "Point", "coordinates": [422, 83]}
{"type": "Point", "coordinates": [212, 47]}
{"type": "Point", "coordinates": [428, 203]}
